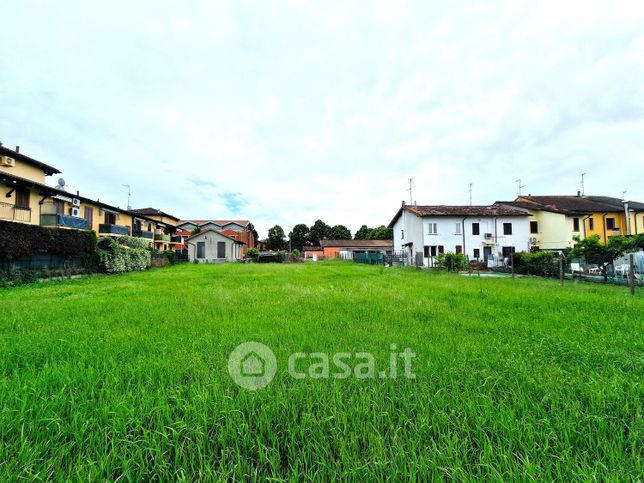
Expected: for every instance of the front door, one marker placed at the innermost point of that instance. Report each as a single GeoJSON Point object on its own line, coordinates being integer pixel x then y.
{"type": "Point", "coordinates": [221, 249]}
{"type": "Point", "coordinates": [487, 253]}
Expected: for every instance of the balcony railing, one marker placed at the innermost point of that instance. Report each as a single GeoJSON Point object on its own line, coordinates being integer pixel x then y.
{"type": "Point", "coordinates": [58, 219]}
{"type": "Point", "coordinates": [161, 237]}
{"type": "Point", "coordinates": [106, 229]}
{"type": "Point", "coordinates": [14, 213]}
{"type": "Point", "coordinates": [143, 234]}
{"type": "Point", "coordinates": [177, 239]}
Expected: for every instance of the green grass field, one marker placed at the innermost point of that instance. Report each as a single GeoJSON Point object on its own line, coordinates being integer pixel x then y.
{"type": "Point", "coordinates": [126, 377]}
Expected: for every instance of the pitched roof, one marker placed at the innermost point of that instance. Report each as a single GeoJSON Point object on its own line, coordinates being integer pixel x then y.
{"type": "Point", "coordinates": [216, 222]}
{"type": "Point", "coordinates": [49, 170]}
{"type": "Point", "coordinates": [480, 211]}
{"type": "Point", "coordinates": [570, 204]}
{"type": "Point", "coordinates": [618, 203]}
{"type": "Point", "coordinates": [356, 243]}
{"type": "Point", "coordinates": [151, 212]}
{"type": "Point", "coordinates": [218, 233]}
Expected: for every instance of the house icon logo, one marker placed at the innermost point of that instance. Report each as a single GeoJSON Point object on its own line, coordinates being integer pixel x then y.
{"type": "Point", "coordinates": [252, 365]}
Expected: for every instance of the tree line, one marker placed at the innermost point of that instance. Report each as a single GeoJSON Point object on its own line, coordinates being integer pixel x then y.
{"type": "Point", "coordinates": [301, 235]}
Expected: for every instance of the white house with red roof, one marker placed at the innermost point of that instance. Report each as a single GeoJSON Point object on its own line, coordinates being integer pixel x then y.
{"type": "Point", "coordinates": [489, 233]}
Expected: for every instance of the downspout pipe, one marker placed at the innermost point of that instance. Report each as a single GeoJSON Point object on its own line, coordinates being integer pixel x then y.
{"type": "Point", "coordinates": [463, 234]}
{"type": "Point", "coordinates": [605, 237]}
{"type": "Point", "coordinates": [628, 218]}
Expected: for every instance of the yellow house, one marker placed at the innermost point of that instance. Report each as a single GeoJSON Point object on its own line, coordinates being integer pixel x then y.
{"type": "Point", "coordinates": [22, 176]}
{"type": "Point", "coordinates": [29, 200]}
{"type": "Point", "coordinates": [558, 220]}
{"type": "Point", "coordinates": [166, 227]}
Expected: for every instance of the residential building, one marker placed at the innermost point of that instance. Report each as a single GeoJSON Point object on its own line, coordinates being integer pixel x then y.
{"type": "Point", "coordinates": [242, 230]}
{"type": "Point", "coordinates": [347, 248]}
{"type": "Point", "coordinates": [29, 200]}
{"type": "Point", "coordinates": [165, 236]}
{"type": "Point", "coordinates": [212, 246]}
{"type": "Point", "coordinates": [561, 219]}
{"type": "Point", "coordinates": [489, 233]}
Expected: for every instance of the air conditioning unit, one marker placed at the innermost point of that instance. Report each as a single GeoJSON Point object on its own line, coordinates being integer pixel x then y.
{"type": "Point", "coordinates": [75, 212]}
{"type": "Point", "coordinates": [7, 161]}
{"type": "Point", "coordinates": [489, 236]}
{"type": "Point", "coordinates": [533, 239]}
{"type": "Point", "coordinates": [76, 202]}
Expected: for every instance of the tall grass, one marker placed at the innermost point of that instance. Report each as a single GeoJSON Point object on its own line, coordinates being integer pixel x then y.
{"type": "Point", "coordinates": [124, 377]}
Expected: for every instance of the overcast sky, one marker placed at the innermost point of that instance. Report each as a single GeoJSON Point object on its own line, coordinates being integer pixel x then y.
{"type": "Point", "coordinates": [286, 112]}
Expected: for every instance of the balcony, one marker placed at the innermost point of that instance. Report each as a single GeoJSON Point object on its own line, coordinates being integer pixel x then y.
{"type": "Point", "coordinates": [105, 229]}
{"type": "Point", "coordinates": [177, 239]}
{"type": "Point", "coordinates": [160, 237]}
{"type": "Point", "coordinates": [67, 221]}
{"type": "Point", "coordinates": [14, 213]}
{"type": "Point", "coordinates": [143, 234]}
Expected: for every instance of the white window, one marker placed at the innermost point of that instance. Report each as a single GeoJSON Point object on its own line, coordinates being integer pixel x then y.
{"type": "Point", "coordinates": [457, 227]}
{"type": "Point", "coordinates": [432, 228]}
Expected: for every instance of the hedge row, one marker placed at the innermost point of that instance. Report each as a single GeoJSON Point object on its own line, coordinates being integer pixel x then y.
{"type": "Point", "coordinates": [18, 240]}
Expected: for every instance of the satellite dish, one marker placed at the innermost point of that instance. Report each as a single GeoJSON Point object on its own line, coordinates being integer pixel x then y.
{"type": "Point", "coordinates": [61, 184]}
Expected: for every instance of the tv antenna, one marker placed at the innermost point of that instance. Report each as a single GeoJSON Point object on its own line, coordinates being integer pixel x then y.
{"type": "Point", "coordinates": [521, 186]}
{"type": "Point", "coordinates": [129, 195]}
{"type": "Point", "coordinates": [410, 189]}
{"type": "Point", "coordinates": [624, 195]}
{"type": "Point", "coordinates": [469, 190]}
{"type": "Point", "coordinates": [583, 189]}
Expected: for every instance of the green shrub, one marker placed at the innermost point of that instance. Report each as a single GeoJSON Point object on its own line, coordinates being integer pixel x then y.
{"type": "Point", "coordinates": [541, 263]}
{"type": "Point", "coordinates": [18, 240]}
{"type": "Point", "coordinates": [124, 254]}
{"type": "Point", "coordinates": [452, 262]}
{"type": "Point", "coordinates": [279, 257]}
{"type": "Point", "coordinates": [14, 277]}
{"type": "Point", "coordinates": [252, 253]}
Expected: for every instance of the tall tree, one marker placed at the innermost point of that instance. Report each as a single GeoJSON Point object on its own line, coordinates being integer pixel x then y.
{"type": "Point", "coordinates": [319, 231]}
{"type": "Point", "coordinates": [363, 233]}
{"type": "Point", "coordinates": [381, 233]}
{"type": "Point", "coordinates": [275, 239]}
{"type": "Point", "coordinates": [300, 236]}
{"type": "Point", "coordinates": [340, 232]}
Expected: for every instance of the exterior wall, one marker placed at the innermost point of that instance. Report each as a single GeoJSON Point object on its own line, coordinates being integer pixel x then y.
{"type": "Point", "coordinates": [233, 250]}
{"type": "Point", "coordinates": [600, 225]}
{"type": "Point", "coordinates": [26, 171]}
{"type": "Point", "coordinates": [555, 230]}
{"type": "Point", "coordinates": [448, 237]}
{"type": "Point", "coordinates": [408, 229]}
{"type": "Point", "coordinates": [31, 216]}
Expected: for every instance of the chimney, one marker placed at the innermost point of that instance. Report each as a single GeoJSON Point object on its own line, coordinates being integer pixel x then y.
{"type": "Point", "coordinates": [403, 203]}
{"type": "Point", "coordinates": [77, 193]}
{"type": "Point", "coordinates": [578, 193]}
{"type": "Point", "coordinates": [17, 149]}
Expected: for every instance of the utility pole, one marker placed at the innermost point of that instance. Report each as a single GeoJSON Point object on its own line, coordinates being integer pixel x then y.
{"type": "Point", "coordinates": [410, 189]}
{"type": "Point", "coordinates": [583, 188]}
{"type": "Point", "coordinates": [520, 185]}
{"type": "Point", "coordinates": [470, 193]}
{"type": "Point", "coordinates": [129, 195]}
